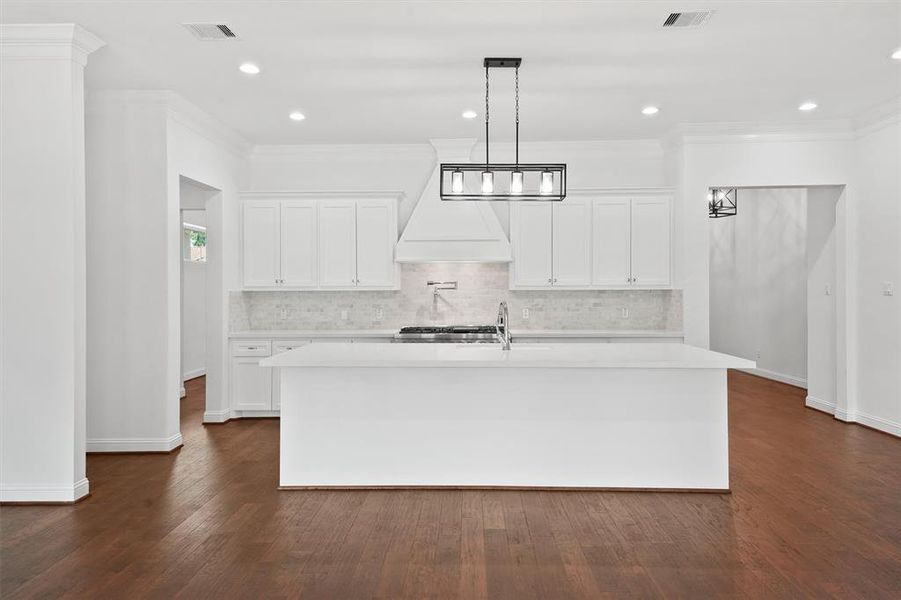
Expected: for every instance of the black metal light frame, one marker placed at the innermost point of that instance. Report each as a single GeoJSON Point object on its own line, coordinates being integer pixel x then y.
{"type": "Point", "coordinates": [723, 203]}
{"type": "Point", "coordinates": [557, 170]}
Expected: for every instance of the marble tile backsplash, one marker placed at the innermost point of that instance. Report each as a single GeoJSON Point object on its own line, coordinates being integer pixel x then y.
{"type": "Point", "coordinates": [480, 288]}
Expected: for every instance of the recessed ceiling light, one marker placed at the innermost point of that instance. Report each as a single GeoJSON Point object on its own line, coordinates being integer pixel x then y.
{"type": "Point", "coordinates": [249, 68]}
{"type": "Point", "coordinates": [897, 54]}
{"type": "Point", "coordinates": [297, 116]}
{"type": "Point", "coordinates": [650, 110]}
{"type": "Point", "coordinates": [808, 106]}
{"type": "Point", "coordinates": [469, 114]}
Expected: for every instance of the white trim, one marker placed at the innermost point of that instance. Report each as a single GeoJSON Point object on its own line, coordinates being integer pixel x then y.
{"type": "Point", "coordinates": [134, 444]}
{"type": "Point", "coordinates": [195, 373]}
{"type": "Point", "coordinates": [182, 393]}
{"type": "Point", "coordinates": [238, 414]}
{"type": "Point", "coordinates": [217, 416]}
{"type": "Point", "coordinates": [821, 405]}
{"type": "Point", "coordinates": [48, 41]}
{"type": "Point", "coordinates": [322, 194]}
{"type": "Point", "coordinates": [44, 493]}
{"type": "Point", "coordinates": [878, 117]}
{"type": "Point", "coordinates": [343, 152]}
{"type": "Point", "coordinates": [886, 425]}
{"type": "Point", "coordinates": [780, 377]}
{"type": "Point", "coordinates": [629, 191]}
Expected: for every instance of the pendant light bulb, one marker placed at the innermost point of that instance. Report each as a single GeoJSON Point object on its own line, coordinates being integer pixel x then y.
{"type": "Point", "coordinates": [487, 182]}
{"type": "Point", "coordinates": [547, 183]}
{"type": "Point", "coordinates": [516, 183]}
{"type": "Point", "coordinates": [457, 182]}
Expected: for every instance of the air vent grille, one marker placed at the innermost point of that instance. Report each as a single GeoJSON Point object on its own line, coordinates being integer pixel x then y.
{"type": "Point", "coordinates": [695, 18]}
{"type": "Point", "coordinates": [210, 31]}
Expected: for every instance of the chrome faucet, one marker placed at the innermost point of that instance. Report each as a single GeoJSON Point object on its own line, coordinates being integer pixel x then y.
{"type": "Point", "coordinates": [502, 326]}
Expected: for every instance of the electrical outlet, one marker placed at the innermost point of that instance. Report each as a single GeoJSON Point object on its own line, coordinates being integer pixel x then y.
{"type": "Point", "coordinates": [283, 314]}
{"type": "Point", "coordinates": [757, 354]}
{"type": "Point", "coordinates": [344, 315]}
{"type": "Point", "coordinates": [525, 314]}
{"type": "Point", "coordinates": [379, 314]}
{"type": "Point", "coordinates": [625, 313]}
{"type": "Point", "coordinates": [888, 288]}
{"type": "Point", "coordinates": [828, 289]}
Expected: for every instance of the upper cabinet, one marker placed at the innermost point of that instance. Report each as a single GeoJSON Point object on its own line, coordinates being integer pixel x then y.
{"type": "Point", "coordinates": [592, 241]}
{"type": "Point", "coordinates": [295, 241]}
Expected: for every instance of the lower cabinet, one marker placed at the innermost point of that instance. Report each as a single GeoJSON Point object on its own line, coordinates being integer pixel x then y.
{"type": "Point", "coordinates": [255, 390]}
{"type": "Point", "coordinates": [251, 384]}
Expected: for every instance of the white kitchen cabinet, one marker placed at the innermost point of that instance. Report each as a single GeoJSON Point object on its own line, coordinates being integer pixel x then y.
{"type": "Point", "coordinates": [298, 237]}
{"type": "Point", "coordinates": [651, 241]}
{"type": "Point", "coordinates": [251, 384]}
{"type": "Point", "coordinates": [338, 244]}
{"type": "Point", "coordinates": [610, 241]}
{"type": "Point", "coordinates": [319, 241]}
{"type": "Point", "coordinates": [277, 348]}
{"type": "Point", "coordinates": [572, 243]}
{"type": "Point", "coordinates": [611, 236]}
{"type": "Point", "coordinates": [532, 235]}
{"type": "Point", "coordinates": [376, 238]}
{"type": "Point", "coordinates": [551, 244]}
{"type": "Point", "coordinates": [261, 244]}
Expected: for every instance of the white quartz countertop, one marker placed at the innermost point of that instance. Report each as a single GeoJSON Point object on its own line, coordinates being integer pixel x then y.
{"type": "Point", "coordinates": [562, 355]}
{"type": "Point", "coordinates": [387, 333]}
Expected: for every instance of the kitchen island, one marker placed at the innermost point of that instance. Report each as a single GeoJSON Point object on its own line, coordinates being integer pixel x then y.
{"type": "Point", "coordinates": [636, 416]}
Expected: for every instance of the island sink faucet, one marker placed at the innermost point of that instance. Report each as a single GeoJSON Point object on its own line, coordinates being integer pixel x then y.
{"type": "Point", "coordinates": [502, 326]}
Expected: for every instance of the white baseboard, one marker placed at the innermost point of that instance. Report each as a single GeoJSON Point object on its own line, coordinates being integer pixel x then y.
{"type": "Point", "coordinates": [780, 377]}
{"type": "Point", "coordinates": [182, 393]}
{"type": "Point", "coordinates": [879, 423]}
{"type": "Point", "coordinates": [42, 493]}
{"type": "Point", "coordinates": [254, 413]}
{"type": "Point", "coordinates": [217, 416]}
{"type": "Point", "coordinates": [134, 444]}
{"type": "Point", "coordinates": [195, 373]}
{"type": "Point", "coordinates": [818, 404]}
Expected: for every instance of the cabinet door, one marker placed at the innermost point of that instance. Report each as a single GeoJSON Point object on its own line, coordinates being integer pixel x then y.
{"type": "Point", "coordinates": [376, 238]}
{"type": "Point", "coordinates": [651, 241]}
{"type": "Point", "coordinates": [278, 348]}
{"type": "Point", "coordinates": [337, 244]}
{"type": "Point", "coordinates": [251, 384]}
{"type": "Point", "coordinates": [298, 243]}
{"type": "Point", "coordinates": [532, 244]}
{"type": "Point", "coordinates": [572, 242]}
{"type": "Point", "coordinates": [611, 233]}
{"type": "Point", "coordinates": [261, 243]}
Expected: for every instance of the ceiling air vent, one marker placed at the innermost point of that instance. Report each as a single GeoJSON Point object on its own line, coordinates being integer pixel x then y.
{"type": "Point", "coordinates": [210, 31]}
{"type": "Point", "coordinates": [695, 18]}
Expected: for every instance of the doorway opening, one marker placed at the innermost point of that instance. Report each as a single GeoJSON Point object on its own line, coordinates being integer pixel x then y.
{"type": "Point", "coordinates": [773, 280]}
{"type": "Point", "coordinates": [195, 232]}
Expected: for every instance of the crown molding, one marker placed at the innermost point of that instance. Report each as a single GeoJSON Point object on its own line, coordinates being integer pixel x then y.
{"type": "Point", "coordinates": [177, 109]}
{"type": "Point", "coordinates": [751, 132]}
{"type": "Point", "coordinates": [878, 117]}
{"type": "Point", "coordinates": [620, 191]}
{"type": "Point", "coordinates": [48, 41]}
{"type": "Point", "coordinates": [347, 152]}
{"type": "Point", "coordinates": [322, 194]}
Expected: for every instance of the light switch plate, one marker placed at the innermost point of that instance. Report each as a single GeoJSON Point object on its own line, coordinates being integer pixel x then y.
{"type": "Point", "coordinates": [525, 314]}
{"type": "Point", "coordinates": [379, 314]}
{"type": "Point", "coordinates": [344, 315]}
{"type": "Point", "coordinates": [625, 313]}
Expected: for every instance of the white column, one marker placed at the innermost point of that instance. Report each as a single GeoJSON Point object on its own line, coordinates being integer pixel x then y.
{"type": "Point", "coordinates": [42, 262]}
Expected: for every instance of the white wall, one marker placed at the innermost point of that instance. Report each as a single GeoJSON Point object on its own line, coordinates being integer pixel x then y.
{"type": "Point", "coordinates": [193, 304]}
{"type": "Point", "coordinates": [42, 262]}
{"type": "Point", "coordinates": [140, 144]}
{"type": "Point", "coordinates": [758, 282]}
{"type": "Point", "coordinates": [877, 183]}
{"type": "Point", "coordinates": [821, 316]}
{"type": "Point", "coordinates": [406, 167]}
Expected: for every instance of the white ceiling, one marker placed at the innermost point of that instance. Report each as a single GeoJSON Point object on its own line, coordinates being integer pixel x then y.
{"type": "Point", "coordinates": [381, 72]}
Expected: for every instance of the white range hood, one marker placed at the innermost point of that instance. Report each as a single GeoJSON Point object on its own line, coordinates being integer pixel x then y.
{"type": "Point", "coordinates": [451, 231]}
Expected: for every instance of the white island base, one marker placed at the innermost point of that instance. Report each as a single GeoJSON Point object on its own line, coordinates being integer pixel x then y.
{"type": "Point", "coordinates": [642, 416]}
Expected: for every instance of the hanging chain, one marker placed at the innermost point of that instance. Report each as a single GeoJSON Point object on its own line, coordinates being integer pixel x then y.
{"type": "Point", "coordinates": [517, 95]}
{"type": "Point", "coordinates": [486, 117]}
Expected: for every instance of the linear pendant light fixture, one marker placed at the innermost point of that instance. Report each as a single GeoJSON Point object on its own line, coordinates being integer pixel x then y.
{"type": "Point", "coordinates": [503, 181]}
{"type": "Point", "coordinates": [722, 202]}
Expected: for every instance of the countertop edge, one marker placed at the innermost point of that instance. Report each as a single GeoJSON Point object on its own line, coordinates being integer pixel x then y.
{"type": "Point", "coordinates": [387, 333]}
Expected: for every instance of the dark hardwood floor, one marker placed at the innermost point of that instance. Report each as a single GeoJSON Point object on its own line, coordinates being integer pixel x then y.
{"type": "Point", "coordinates": [815, 512]}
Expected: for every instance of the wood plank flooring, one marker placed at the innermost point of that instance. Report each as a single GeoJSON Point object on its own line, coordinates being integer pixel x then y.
{"type": "Point", "coordinates": [815, 512]}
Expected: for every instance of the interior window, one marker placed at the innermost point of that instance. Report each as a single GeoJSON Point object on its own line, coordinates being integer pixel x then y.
{"type": "Point", "coordinates": [194, 242]}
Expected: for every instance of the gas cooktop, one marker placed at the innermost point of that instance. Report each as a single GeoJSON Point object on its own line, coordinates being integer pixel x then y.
{"type": "Point", "coordinates": [449, 333]}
